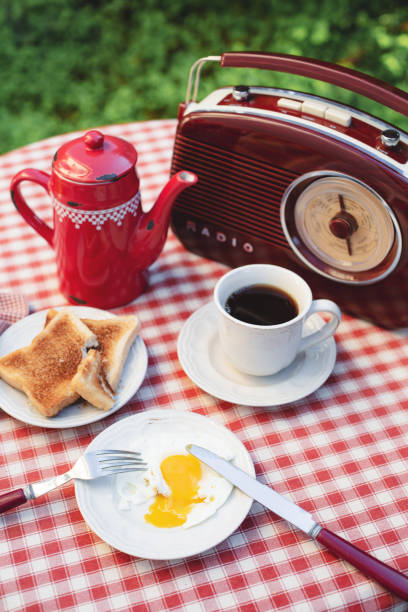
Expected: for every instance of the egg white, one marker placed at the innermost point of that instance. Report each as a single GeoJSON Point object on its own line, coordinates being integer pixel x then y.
{"type": "Point", "coordinates": [158, 440]}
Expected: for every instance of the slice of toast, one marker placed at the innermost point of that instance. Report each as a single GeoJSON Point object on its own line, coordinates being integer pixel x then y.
{"type": "Point", "coordinates": [90, 382]}
{"type": "Point", "coordinates": [115, 337]}
{"type": "Point", "coordinates": [44, 370]}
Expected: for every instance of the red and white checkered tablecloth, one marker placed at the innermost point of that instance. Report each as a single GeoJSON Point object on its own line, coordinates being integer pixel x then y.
{"type": "Point", "coordinates": [341, 453]}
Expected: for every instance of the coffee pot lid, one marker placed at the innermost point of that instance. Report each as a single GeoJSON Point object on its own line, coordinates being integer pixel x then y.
{"type": "Point", "coordinates": [95, 158]}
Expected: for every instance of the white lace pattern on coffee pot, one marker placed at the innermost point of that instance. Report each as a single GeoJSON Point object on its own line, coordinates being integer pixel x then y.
{"type": "Point", "coordinates": [97, 217]}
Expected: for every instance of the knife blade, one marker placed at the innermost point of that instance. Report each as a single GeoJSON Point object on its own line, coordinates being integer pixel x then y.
{"type": "Point", "coordinates": [282, 506]}
{"type": "Point", "coordinates": [389, 577]}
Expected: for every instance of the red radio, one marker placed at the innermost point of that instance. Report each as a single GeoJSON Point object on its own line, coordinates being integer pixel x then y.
{"type": "Point", "coordinates": [300, 181]}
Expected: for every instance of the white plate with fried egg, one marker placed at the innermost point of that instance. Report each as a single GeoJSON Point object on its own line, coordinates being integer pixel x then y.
{"type": "Point", "coordinates": [178, 507]}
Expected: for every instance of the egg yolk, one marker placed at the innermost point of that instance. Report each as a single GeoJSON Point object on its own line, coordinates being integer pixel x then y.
{"type": "Point", "coordinates": [182, 474]}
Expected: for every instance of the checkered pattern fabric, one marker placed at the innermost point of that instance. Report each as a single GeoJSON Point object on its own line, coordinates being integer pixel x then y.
{"type": "Point", "coordinates": [341, 453]}
{"type": "Point", "coordinates": [12, 308]}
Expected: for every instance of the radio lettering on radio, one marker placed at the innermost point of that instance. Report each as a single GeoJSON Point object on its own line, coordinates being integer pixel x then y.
{"type": "Point", "coordinates": [219, 236]}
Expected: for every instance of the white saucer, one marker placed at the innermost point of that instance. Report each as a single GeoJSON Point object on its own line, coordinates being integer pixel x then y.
{"type": "Point", "coordinates": [16, 403]}
{"type": "Point", "coordinates": [204, 361]}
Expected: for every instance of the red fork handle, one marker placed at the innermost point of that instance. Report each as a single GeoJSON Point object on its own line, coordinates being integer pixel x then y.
{"type": "Point", "coordinates": [393, 580]}
{"type": "Point", "coordinates": [323, 71]}
{"type": "Point", "coordinates": [12, 500]}
{"type": "Point", "coordinates": [42, 179]}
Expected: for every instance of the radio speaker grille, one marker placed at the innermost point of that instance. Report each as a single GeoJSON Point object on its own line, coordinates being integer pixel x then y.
{"type": "Point", "coordinates": [233, 191]}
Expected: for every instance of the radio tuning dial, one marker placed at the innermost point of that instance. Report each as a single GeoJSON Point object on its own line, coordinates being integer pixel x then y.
{"type": "Point", "coordinates": [340, 227]}
{"type": "Point", "coordinates": [240, 93]}
{"type": "Point", "coordinates": [390, 137]}
{"type": "Point", "coordinates": [343, 225]}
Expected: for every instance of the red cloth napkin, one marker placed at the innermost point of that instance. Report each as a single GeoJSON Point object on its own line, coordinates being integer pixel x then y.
{"type": "Point", "coordinates": [12, 308]}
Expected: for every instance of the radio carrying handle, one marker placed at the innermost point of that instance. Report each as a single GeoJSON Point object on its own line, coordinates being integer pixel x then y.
{"type": "Point", "coordinates": [360, 83]}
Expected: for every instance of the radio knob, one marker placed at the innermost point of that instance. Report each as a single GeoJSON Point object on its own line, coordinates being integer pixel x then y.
{"type": "Point", "coordinates": [343, 225]}
{"type": "Point", "coordinates": [390, 137]}
{"type": "Point", "coordinates": [240, 93]}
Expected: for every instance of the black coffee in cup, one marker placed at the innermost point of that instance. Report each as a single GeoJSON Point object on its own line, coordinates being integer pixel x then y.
{"type": "Point", "coordinates": [261, 305]}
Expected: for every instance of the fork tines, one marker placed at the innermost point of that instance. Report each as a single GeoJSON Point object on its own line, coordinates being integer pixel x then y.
{"type": "Point", "coordinates": [115, 461]}
{"type": "Point", "coordinates": [106, 451]}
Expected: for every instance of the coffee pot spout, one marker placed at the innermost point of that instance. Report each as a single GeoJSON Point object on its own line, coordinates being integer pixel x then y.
{"type": "Point", "coordinates": [160, 212]}
{"type": "Point", "coordinates": [151, 232]}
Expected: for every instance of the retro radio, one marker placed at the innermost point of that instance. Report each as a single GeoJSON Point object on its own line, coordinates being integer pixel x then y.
{"type": "Point", "coordinates": [300, 181]}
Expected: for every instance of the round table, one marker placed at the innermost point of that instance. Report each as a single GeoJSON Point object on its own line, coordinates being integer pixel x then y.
{"type": "Point", "coordinates": [341, 453]}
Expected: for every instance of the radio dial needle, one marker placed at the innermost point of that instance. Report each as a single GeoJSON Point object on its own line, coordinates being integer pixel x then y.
{"type": "Point", "coordinates": [343, 225]}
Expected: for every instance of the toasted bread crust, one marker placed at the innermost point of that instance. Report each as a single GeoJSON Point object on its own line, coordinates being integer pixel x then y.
{"type": "Point", "coordinates": [115, 337]}
{"type": "Point", "coordinates": [13, 367]}
{"type": "Point", "coordinates": [90, 383]}
{"type": "Point", "coordinates": [44, 370]}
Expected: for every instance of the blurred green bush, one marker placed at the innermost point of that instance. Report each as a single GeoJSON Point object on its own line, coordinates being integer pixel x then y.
{"type": "Point", "coordinates": [69, 64]}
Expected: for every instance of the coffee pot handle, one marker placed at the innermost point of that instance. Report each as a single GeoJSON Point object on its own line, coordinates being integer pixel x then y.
{"type": "Point", "coordinates": [42, 179]}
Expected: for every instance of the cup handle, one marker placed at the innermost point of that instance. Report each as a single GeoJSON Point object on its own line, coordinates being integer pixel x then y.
{"type": "Point", "coordinates": [328, 328]}
{"type": "Point", "coordinates": [42, 179]}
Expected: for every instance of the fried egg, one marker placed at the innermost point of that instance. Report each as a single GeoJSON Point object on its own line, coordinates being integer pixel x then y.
{"type": "Point", "coordinates": [176, 489]}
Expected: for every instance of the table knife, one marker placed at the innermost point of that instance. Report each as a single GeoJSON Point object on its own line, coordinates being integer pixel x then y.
{"type": "Point", "coordinates": [393, 580]}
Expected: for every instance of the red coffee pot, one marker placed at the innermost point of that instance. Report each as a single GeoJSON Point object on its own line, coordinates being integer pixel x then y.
{"type": "Point", "coordinates": [103, 241]}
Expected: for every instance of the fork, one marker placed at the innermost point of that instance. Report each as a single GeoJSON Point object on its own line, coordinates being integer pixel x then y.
{"type": "Point", "coordinates": [92, 464]}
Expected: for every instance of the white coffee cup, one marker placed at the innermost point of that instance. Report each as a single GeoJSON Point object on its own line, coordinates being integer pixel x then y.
{"type": "Point", "coordinates": [262, 350]}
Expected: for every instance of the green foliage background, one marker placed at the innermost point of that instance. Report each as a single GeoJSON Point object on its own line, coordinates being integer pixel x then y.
{"type": "Point", "coordinates": [70, 64]}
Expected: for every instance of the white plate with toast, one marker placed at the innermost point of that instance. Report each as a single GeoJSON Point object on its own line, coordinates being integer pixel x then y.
{"type": "Point", "coordinates": [17, 404]}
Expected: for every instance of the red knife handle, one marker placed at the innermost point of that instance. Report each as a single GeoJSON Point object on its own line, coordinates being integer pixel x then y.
{"type": "Point", "coordinates": [393, 580]}
{"type": "Point", "coordinates": [12, 499]}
